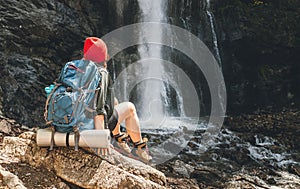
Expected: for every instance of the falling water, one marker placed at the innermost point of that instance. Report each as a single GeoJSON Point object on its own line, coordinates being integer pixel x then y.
{"type": "Point", "coordinates": [152, 90]}
{"type": "Point", "coordinates": [213, 31]}
{"type": "Point", "coordinates": [215, 46]}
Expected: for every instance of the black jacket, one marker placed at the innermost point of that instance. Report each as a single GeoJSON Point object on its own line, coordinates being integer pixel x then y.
{"type": "Point", "coordinates": [105, 97]}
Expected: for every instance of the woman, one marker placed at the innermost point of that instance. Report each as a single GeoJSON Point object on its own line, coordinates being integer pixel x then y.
{"type": "Point", "coordinates": [108, 109]}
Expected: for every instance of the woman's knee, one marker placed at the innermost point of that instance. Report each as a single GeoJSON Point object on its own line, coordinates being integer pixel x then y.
{"type": "Point", "coordinates": [125, 109]}
{"type": "Point", "coordinates": [131, 107]}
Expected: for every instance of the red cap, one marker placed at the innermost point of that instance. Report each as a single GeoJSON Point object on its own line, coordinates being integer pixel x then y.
{"type": "Point", "coordinates": [95, 50]}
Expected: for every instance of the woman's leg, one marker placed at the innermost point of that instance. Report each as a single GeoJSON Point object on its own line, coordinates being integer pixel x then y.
{"type": "Point", "coordinates": [126, 111]}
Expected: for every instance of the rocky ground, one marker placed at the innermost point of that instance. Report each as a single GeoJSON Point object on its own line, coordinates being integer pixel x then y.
{"type": "Point", "coordinates": [230, 163]}
{"type": "Point", "coordinates": [31, 177]}
{"type": "Point", "coordinates": [283, 126]}
{"type": "Point", "coordinates": [24, 165]}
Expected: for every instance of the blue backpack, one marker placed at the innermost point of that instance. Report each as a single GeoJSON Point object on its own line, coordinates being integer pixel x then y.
{"type": "Point", "coordinates": [70, 107]}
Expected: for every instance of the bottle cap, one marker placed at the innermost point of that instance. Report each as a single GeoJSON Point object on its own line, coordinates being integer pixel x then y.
{"type": "Point", "coordinates": [48, 90]}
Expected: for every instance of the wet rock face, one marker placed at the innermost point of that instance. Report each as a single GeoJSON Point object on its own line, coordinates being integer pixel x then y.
{"type": "Point", "coordinates": [258, 43]}
{"type": "Point", "coordinates": [36, 39]}
{"type": "Point", "coordinates": [260, 50]}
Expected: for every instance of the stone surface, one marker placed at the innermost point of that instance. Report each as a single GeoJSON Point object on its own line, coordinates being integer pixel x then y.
{"type": "Point", "coordinates": [259, 41]}
{"type": "Point", "coordinates": [9, 180]}
{"type": "Point", "coordinates": [5, 126]}
{"type": "Point", "coordinates": [281, 180]}
{"type": "Point", "coordinates": [268, 124]}
{"type": "Point", "coordinates": [181, 183]}
{"type": "Point", "coordinates": [181, 168]}
{"type": "Point", "coordinates": [84, 169]}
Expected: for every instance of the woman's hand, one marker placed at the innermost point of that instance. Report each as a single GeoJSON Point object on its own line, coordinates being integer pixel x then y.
{"type": "Point", "coordinates": [99, 125]}
{"type": "Point", "coordinates": [103, 151]}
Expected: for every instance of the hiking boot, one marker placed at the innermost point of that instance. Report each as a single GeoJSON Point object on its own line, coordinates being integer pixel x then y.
{"type": "Point", "coordinates": [122, 142]}
{"type": "Point", "coordinates": [141, 150]}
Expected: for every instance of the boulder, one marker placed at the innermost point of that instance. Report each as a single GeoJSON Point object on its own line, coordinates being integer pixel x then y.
{"type": "Point", "coordinates": [83, 168]}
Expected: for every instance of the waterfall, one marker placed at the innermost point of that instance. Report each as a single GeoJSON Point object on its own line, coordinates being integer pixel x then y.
{"type": "Point", "coordinates": [215, 45]}
{"type": "Point", "coordinates": [214, 34]}
{"type": "Point", "coordinates": [152, 91]}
